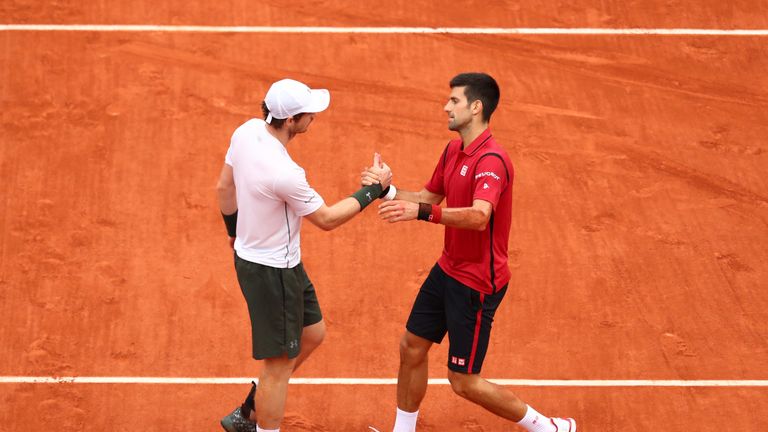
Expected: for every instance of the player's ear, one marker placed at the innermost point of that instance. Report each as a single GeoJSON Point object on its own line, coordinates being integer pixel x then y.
{"type": "Point", "coordinates": [477, 107]}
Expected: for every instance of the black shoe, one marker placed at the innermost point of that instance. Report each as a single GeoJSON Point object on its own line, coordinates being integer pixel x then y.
{"type": "Point", "coordinates": [239, 419]}
{"type": "Point", "coordinates": [235, 422]}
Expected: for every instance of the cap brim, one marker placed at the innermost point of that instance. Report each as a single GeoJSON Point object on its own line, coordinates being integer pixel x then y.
{"type": "Point", "coordinates": [321, 98]}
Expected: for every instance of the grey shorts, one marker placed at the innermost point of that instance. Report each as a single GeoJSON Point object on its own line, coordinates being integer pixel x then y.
{"type": "Point", "coordinates": [281, 302]}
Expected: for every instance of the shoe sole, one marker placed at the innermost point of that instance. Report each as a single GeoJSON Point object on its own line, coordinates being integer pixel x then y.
{"type": "Point", "coordinates": [228, 426]}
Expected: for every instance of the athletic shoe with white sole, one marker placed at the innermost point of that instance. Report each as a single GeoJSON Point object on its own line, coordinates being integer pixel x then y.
{"type": "Point", "coordinates": [564, 425]}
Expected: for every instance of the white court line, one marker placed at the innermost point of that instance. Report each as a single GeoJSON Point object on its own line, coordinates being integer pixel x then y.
{"type": "Point", "coordinates": [384, 30]}
{"type": "Point", "coordinates": [380, 381]}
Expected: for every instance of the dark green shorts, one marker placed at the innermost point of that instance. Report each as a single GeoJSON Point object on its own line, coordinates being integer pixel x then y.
{"type": "Point", "coordinates": [281, 302]}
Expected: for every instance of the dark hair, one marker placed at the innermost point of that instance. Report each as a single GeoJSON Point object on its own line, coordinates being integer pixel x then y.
{"type": "Point", "coordinates": [276, 123]}
{"type": "Point", "coordinates": [479, 86]}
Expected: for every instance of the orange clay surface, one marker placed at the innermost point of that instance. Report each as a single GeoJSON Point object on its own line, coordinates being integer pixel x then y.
{"type": "Point", "coordinates": [640, 222]}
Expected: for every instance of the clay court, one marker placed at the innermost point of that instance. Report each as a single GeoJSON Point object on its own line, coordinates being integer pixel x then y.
{"type": "Point", "coordinates": [638, 299]}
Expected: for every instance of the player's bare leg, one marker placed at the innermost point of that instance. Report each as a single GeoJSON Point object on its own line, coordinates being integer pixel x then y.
{"type": "Point", "coordinates": [273, 389]}
{"type": "Point", "coordinates": [504, 403]}
{"type": "Point", "coordinates": [495, 398]}
{"type": "Point", "coordinates": [311, 337]}
{"type": "Point", "coordinates": [413, 373]}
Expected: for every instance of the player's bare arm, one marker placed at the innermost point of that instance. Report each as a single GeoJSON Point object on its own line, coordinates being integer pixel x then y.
{"type": "Point", "coordinates": [225, 189]}
{"type": "Point", "coordinates": [471, 218]}
{"type": "Point", "coordinates": [330, 217]}
{"type": "Point", "coordinates": [423, 195]}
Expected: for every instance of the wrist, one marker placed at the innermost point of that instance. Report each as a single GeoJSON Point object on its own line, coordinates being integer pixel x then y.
{"type": "Point", "coordinates": [230, 221]}
{"type": "Point", "coordinates": [367, 194]}
{"type": "Point", "coordinates": [389, 193]}
{"type": "Point", "coordinates": [430, 213]}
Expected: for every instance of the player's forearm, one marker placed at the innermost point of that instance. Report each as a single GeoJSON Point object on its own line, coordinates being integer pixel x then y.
{"type": "Point", "coordinates": [338, 214]}
{"type": "Point", "coordinates": [416, 197]}
{"type": "Point", "coordinates": [328, 218]}
{"type": "Point", "coordinates": [468, 218]}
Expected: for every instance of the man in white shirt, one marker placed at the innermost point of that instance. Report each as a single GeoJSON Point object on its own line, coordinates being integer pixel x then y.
{"type": "Point", "coordinates": [263, 196]}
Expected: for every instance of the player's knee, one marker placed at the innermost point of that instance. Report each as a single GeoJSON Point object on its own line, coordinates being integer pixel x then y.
{"type": "Point", "coordinates": [319, 338]}
{"type": "Point", "coordinates": [462, 384]}
{"type": "Point", "coordinates": [314, 336]}
{"type": "Point", "coordinates": [311, 342]}
{"type": "Point", "coordinates": [411, 354]}
{"type": "Point", "coordinates": [406, 351]}
{"type": "Point", "coordinates": [278, 368]}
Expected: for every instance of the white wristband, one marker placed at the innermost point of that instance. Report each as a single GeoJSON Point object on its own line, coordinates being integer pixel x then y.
{"type": "Point", "coordinates": [391, 194]}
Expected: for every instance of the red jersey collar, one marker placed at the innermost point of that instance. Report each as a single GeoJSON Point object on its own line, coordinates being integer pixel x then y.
{"type": "Point", "coordinates": [478, 142]}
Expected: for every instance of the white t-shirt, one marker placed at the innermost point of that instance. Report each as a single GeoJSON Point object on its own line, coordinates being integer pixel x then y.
{"type": "Point", "coordinates": [272, 196]}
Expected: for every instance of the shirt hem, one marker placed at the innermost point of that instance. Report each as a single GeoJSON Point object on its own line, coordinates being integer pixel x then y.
{"type": "Point", "coordinates": [471, 283]}
{"type": "Point", "coordinates": [268, 262]}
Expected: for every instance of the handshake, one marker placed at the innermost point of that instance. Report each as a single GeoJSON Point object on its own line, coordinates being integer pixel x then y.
{"type": "Point", "coordinates": [379, 176]}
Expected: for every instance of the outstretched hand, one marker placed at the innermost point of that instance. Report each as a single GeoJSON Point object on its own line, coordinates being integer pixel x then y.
{"type": "Point", "coordinates": [398, 211]}
{"type": "Point", "coordinates": [379, 172]}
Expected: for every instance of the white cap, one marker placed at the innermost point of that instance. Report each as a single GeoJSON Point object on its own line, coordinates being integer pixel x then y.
{"type": "Point", "coordinates": [288, 97]}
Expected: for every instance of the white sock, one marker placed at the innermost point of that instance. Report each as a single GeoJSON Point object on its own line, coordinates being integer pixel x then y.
{"type": "Point", "coordinates": [533, 421]}
{"type": "Point", "coordinates": [405, 421]}
{"type": "Point", "coordinates": [258, 429]}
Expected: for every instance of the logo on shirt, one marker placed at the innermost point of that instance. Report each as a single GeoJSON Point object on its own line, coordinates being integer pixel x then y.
{"type": "Point", "coordinates": [485, 186]}
{"type": "Point", "coordinates": [310, 199]}
{"type": "Point", "coordinates": [464, 170]}
{"type": "Point", "coordinates": [487, 174]}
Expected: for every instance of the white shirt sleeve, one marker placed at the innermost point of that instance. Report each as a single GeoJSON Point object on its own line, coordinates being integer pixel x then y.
{"type": "Point", "coordinates": [293, 188]}
{"type": "Point", "coordinates": [228, 157]}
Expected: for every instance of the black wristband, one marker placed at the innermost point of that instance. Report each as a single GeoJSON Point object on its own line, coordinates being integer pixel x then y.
{"type": "Point", "coordinates": [424, 211]}
{"type": "Point", "coordinates": [231, 222]}
{"type": "Point", "coordinates": [384, 192]}
{"type": "Point", "coordinates": [367, 194]}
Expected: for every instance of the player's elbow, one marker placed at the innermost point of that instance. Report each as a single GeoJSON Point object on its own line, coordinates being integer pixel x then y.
{"type": "Point", "coordinates": [323, 223]}
{"type": "Point", "coordinates": [481, 221]}
{"type": "Point", "coordinates": [325, 219]}
{"type": "Point", "coordinates": [326, 225]}
{"type": "Point", "coordinates": [330, 221]}
{"type": "Point", "coordinates": [223, 187]}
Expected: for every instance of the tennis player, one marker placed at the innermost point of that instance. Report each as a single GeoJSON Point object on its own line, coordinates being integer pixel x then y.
{"type": "Point", "coordinates": [460, 296]}
{"type": "Point", "coordinates": [263, 196]}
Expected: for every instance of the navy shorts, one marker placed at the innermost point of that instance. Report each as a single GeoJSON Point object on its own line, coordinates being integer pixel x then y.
{"type": "Point", "coordinates": [445, 305]}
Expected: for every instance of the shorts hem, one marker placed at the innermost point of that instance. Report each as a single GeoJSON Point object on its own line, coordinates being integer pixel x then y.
{"type": "Point", "coordinates": [462, 370]}
{"type": "Point", "coordinates": [431, 339]}
{"type": "Point", "coordinates": [320, 318]}
{"type": "Point", "coordinates": [270, 356]}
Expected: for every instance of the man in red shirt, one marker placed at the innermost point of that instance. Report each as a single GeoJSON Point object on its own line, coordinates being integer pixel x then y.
{"type": "Point", "coordinates": [462, 292]}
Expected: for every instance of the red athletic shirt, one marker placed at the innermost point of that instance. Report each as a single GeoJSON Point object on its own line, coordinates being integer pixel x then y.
{"type": "Point", "coordinates": [481, 170]}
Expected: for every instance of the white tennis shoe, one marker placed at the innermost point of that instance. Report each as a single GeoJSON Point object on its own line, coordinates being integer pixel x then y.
{"type": "Point", "coordinates": [564, 425]}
